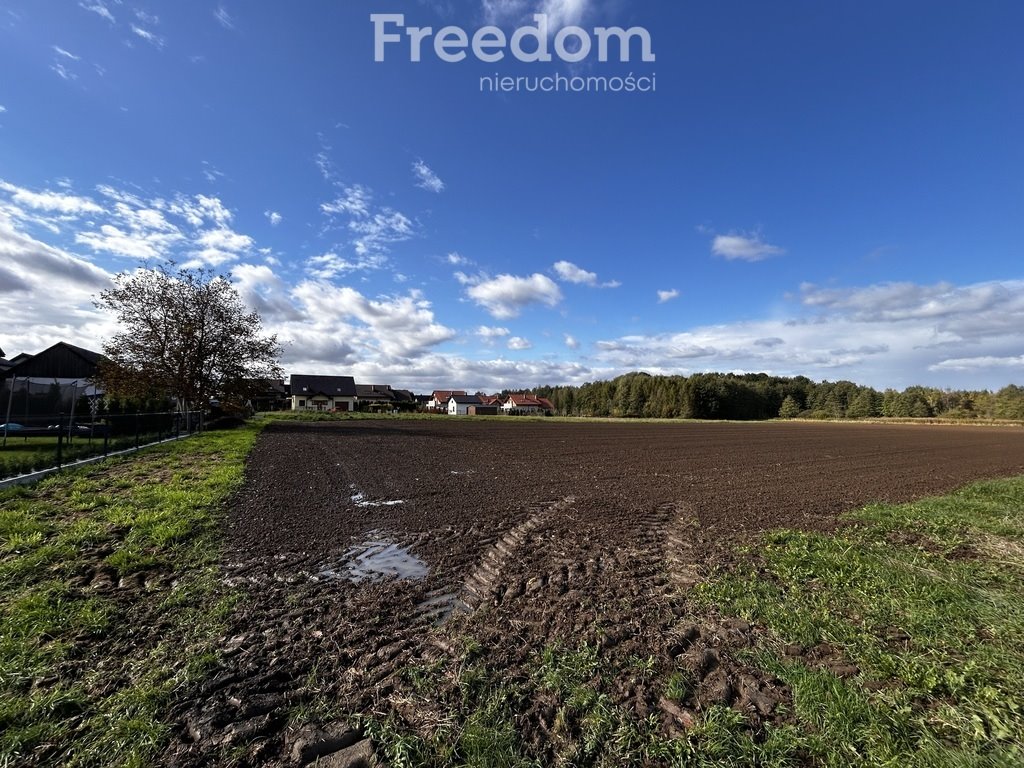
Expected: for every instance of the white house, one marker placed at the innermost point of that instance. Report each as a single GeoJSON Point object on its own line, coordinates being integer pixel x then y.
{"type": "Point", "coordinates": [459, 405]}
{"type": "Point", "coordinates": [323, 393]}
{"type": "Point", "coordinates": [524, 404]}
{"type": "Point", "coordinates": [440, 398]}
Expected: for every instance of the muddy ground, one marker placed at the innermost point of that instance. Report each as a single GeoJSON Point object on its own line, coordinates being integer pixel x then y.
{"type": "Point", "coordinates": [369, 551]}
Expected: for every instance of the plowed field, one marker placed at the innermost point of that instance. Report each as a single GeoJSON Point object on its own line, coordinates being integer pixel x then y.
{"type": "Point", "coordinates": [370, 549]}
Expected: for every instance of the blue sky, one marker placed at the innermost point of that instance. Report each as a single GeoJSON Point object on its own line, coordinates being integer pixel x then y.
{"type": "Point", "coordinates": [826, 189]}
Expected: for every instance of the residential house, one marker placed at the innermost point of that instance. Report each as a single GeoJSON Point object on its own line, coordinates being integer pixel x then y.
{"type": "Point", "coordinates": [459, 405]}
{"type": "Point", "coordinates": [49, 382]}
{"type": "Point", "coordinates": [381, 397]}
{"type": "Point", "coordinates": [525, 404]}
{"type": "Point", "coordinates": [267, 394]}
{"type": "Point", "coordinates": [440, 398]}
{"type": "Point", "coordinates": [323, 393]}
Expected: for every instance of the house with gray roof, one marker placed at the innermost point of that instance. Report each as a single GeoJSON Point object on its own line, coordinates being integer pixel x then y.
{"type": "Point", "coordinates": [323, 393]}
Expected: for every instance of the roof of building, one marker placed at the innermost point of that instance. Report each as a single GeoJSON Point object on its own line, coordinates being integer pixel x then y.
{"type": "Point", "coordinates": [443, 395]}
{"type": "Point", "coordinates": [374, 392]}
{"type": "Point", "coordinates": [60, 361]}
{"type": "Point", "coordinates": [403, 395]}
{"type": "Point", "coordinates": [329, 386]}
{"type": "Point", "coordinates": [524, 400]}
{"type": "Point", "coordinates": [465, 399]}
{"type": "Point", "coordinates": [267, 386]}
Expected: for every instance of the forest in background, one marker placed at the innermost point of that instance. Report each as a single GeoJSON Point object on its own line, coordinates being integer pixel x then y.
{"type": "Point", "coordinates": [753, 396]}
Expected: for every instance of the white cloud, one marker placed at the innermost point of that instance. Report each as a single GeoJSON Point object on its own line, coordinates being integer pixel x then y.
{"type": "Point", "coordinates": [136, 245]}
{"type": "Point", "coordinates": [560, 12]}
{"type": "Point", "coordinates": [373, 229]}
{"type": "Point", "coordinates": [142, 218]}
{"type": "Point", "coordinates": [46, 295]}
{"type": "Point", "coordinates": [354, 201]}
{"type": "Point", "coordinates": [735, 247]}
{"type": "Point", "coordinates": [201, 209]}
{"type": "Point", "coordinates": [63, 72]}
{"type": "Point", "coordinates": [211, 173]}
{"type": "Point", "coordinates": [2, 109]}
{"type": "Point", "coordinates": [426, 178]}
{"type": "Point", "coordinates": [324, 164]}
{"type": "Point", "coordinates": [571, 342]}
{"type": "Point", "coordinates": [488, 332]}
{"type": "Point", "coordinates": [56, 202]}
{"type": "Point", "coordinates": [147, 18]}
{"type": "Point", "coordinates": [665, 296]}
{"type": "Point", "coordinates": [273, 217]}
{"type": "Point", "coordinates": [884, 335]}
{"type": "Point", "coordinates": [98, 8]}
{"type": "Point", "coordinates": [140, 229]}
{"type": "Point", "coordinates": [265, 292]}
{"type": "Point", "coordinates": [507, 295]}
{"type": "Point", "coordinates": [224, 239]}
{"type": "Point", "coordinates": [570, 273]}
{"type": "Point", "coordinates": [978, 363]}
{"type": "Point", "coordinates": [219, 246]}
{"type": "Point", "coordinates": [457, 260]}
{"type": "Point", "coordinates": [391, 326]}
{"type": "Point", "coordinates": [150, 37]}
{"type": "Point", "coordinates": [518, 344]}
{"type": "Point", "coordinates": [66, 54]}
{"type": "Point", "coordinates": [904, 301]}
{"type": "Point", "coordinates": [564, 12]}
{"type": "Point", "coordinates": [330, 265]}
{"type": "Point", "coordinates": [379, 230]}
{"type": "Point", "coordinates": [224, 18]}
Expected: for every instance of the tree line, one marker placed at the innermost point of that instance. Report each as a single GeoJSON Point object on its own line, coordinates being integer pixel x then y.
{"type": "Point", "coordinates": [754, 396]}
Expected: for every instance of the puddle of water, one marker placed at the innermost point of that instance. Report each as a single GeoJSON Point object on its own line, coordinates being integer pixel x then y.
{"type": "Point", "coordinates": [359, 499]}
{"type": "Point", "coordinates": [376, 558]}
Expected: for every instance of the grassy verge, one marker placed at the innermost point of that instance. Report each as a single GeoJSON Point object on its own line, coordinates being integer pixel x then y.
{"type": "Point", "coordinates": [110, 601]}
{"type": "Point", "coordinates": [474, 711]}
{"type": "Point", "coordinates": [924, 603]}
{"type": "Point", "coordinates": [901, 639]}
{"type": "Point", "coordinates": [24, 455]}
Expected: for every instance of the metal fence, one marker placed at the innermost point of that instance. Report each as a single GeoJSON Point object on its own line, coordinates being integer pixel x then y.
{"type": "Point", "coordinates": [43, 442]}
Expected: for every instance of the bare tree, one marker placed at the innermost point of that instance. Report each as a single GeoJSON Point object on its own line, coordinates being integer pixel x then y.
{"type": "Point", "coordinates": [185, 333]}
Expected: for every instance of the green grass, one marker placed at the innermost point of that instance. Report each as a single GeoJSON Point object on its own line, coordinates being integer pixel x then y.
{"type": "Point", "coordinates": [86, 673]}
{"type": "Point", "coordinates": [478, 722]}
{"type": "Point", "coordinates": [927, 599]}
{"type": "Point", "coordinates": [22, 455]}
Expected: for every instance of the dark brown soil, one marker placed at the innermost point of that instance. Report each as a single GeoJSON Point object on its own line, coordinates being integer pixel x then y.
{"type": "Point", "coordinates": [519, 536]}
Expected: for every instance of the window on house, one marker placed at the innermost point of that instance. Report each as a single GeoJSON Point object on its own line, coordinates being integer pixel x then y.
{"type": "Point", "coordinates": [302, 403]}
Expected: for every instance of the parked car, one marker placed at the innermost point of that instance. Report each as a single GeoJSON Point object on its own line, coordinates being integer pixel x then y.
{"type": "Point", "coordinates": [11, 427]}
